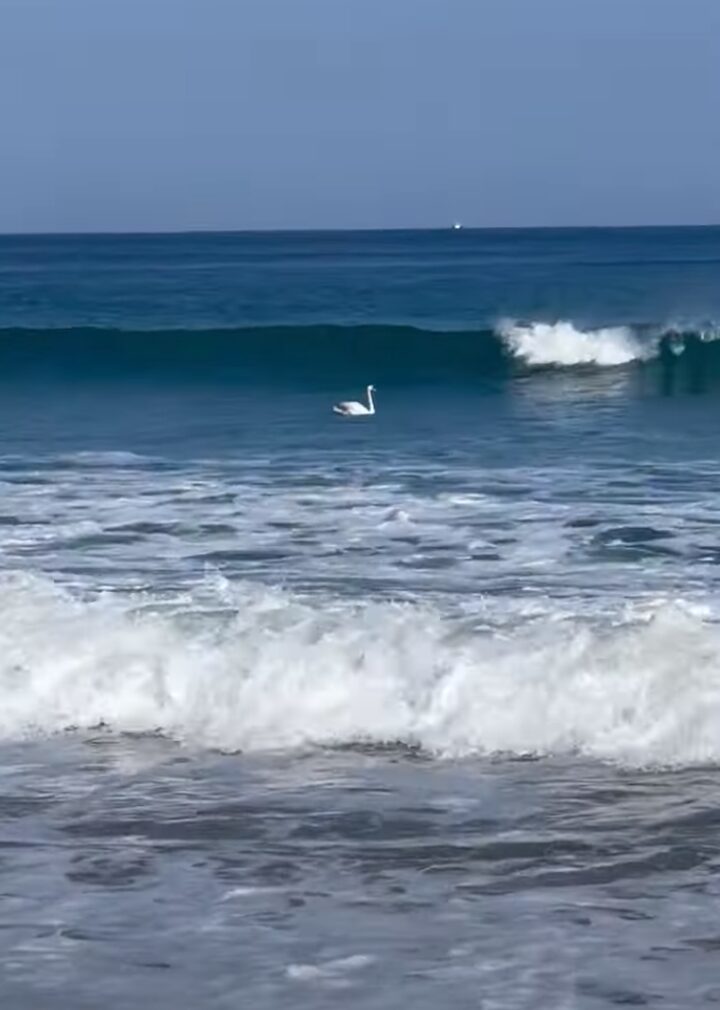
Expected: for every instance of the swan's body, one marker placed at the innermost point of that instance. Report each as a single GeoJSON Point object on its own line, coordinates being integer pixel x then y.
{"type": "Point", "coordinates": [352, 408]}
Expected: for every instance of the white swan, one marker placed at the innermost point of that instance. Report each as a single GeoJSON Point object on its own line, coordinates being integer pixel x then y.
{"type": "Point", "coordinates": [351, 408]}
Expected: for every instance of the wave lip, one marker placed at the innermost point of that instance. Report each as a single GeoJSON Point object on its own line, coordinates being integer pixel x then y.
{"type": "Point", "coordinates": [563, 344]}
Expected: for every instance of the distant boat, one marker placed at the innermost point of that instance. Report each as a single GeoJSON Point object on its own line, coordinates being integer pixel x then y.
{"type": "Point", "coordinates": [457, 226]}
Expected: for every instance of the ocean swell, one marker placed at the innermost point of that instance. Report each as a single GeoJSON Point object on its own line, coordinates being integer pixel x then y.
{"type": "Point", "coordinates": [325, 355]}
{"type": "Point", "coordinates": [254, 669]}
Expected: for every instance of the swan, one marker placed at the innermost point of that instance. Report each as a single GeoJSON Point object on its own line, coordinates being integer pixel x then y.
{"type": "Point", "coordinates": [351, 408]}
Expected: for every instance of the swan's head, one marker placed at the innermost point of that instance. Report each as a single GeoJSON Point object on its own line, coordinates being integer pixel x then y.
{"type": "Point", "coordinates": [371, 389]}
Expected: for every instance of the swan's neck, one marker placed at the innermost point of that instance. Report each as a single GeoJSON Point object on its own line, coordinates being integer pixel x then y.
{"type": "Point", "coordinates": [371, 405]}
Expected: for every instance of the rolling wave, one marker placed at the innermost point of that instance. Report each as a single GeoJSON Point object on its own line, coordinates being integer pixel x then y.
{"type": "Point", "coordinates": [254, 669]}
{"type": "Point", "coordinates": [324, 354]}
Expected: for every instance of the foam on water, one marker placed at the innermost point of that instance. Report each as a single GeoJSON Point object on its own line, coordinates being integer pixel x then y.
{"type": "Point", "coordinates": [564, 344]}
{"type": "Point", "coordinates": [255, 669]}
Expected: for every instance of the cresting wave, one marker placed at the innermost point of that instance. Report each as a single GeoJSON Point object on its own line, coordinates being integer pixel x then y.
{"type": "Point", "coordinates": [330, 354]}
{"type": "Point", "coordinates": [252, 669]}
{"type": "Point", "coordinates": [562, 344]}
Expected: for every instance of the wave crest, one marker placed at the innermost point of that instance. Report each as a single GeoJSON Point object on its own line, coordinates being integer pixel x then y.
{"type": "Point", "coordinates": [563, 344]}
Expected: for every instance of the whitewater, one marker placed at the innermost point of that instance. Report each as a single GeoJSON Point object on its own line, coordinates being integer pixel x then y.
{"type": "Point", "coordinates": [278, 672]}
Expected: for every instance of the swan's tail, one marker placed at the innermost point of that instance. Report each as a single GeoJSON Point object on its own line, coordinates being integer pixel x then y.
{"type": "Point", "coordinates": [338, 410]}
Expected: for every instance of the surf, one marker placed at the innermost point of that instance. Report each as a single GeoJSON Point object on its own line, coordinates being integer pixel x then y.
{"type": "Point", "coordinates": [245, 668]}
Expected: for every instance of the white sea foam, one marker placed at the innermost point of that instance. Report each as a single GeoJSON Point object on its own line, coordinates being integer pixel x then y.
{"type": "Point", "coordinates": [283, 673]}
{"type": "Point", "coordinates": [108, 458]}
{"type": "Point", "coordinates": [564, 344]}
{"type": "Point", "coordinates": [329, 970]}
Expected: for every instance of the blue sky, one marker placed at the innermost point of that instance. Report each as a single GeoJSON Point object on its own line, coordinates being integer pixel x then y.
{"type": "Point", "coordinates": [182, 114]}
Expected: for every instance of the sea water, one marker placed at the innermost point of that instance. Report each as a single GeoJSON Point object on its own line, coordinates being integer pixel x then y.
{"type": "Point", "coordinates": [418, 708]}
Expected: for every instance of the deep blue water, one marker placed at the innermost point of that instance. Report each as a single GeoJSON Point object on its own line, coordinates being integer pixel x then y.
{"type": "Point", "coordinates": [422, 706]}
{"type": "Point", "coordinates": [429, 279]}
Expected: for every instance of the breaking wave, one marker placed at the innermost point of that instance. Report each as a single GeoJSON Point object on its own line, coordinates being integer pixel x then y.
{"type": "Point", "coordinates": [254, 669]}
{"type": "Point", "coordinates": [328, 355]}
{"type": "Point", "coordinates": [564, 345]}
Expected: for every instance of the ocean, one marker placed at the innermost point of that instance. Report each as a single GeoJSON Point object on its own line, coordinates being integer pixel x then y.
{"type": "Point", "coordinates": [419, 708]}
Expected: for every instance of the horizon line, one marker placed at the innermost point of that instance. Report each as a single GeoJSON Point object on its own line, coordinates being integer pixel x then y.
{"type": "Point", "coordinates": [80, 233]}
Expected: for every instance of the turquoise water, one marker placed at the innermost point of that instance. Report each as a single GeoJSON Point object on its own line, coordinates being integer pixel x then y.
{"type": "Point", "coordinates": [418, 706]}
